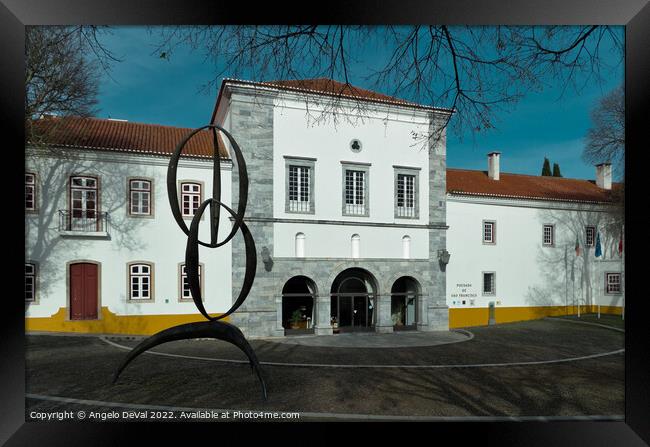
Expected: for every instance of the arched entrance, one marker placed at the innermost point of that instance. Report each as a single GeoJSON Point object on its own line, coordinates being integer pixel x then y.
{"type": "Point", "coordinates": [298, 306]}
{"type": "Point", "coordinates": [353, 301]}
{"type": "Point", "coordinates": [404, 300]}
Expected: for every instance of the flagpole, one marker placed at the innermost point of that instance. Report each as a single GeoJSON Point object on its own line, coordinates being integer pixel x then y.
{"type": "Point", "coordinates": [566, 282]}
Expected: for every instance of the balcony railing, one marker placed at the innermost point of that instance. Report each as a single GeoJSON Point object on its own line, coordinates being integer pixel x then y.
{"type": "Point", "coordinates": [80, 221]}
{"type": "Point", "coordinates": [405, 211]}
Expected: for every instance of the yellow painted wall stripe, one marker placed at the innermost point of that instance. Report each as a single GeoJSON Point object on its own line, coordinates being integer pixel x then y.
{"type": "Point", "coordinates": [111, 323]}
{"type": "Point", "coordinates": [464, 317]}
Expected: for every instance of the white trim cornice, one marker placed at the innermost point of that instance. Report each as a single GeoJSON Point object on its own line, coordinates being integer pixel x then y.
{"type": "Point", "coordinates": [526, 202]}
{"type": "Point", "coordinates": [145, 158]}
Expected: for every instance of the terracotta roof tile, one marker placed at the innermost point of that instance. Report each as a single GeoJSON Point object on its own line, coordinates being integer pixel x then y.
{"type": "Point", "coordinates": [124, 136]}
{"type": "Point", "coordinates": [470, 182]}
{"type": "Point", "coordinates": [331, 87]}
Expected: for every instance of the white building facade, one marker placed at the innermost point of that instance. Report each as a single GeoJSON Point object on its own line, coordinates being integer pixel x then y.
{"type": "Point", "coordinates": [352, 223]}
{"type": "Point", "coordinates": [531, 251]}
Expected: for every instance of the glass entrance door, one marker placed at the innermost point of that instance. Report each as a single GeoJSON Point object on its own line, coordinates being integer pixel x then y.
{"type": "Point", "coordinates": [353, 301]}
{"type": "Point", "coordinates": [360, 311]}
{"type": "Point", "coordinates": [345, 317]}
{"type": "Point", "coordinates": [353, 312]}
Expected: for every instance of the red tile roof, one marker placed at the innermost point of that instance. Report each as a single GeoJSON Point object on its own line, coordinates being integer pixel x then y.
{"type": "Point", "coordinates": [124, 136]}
{"type": "Point", "coordinates": [331, 87]}
{"type": "Point", "coordinates": [470, 182]}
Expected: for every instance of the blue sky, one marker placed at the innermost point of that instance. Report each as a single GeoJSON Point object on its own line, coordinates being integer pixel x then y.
{"type": "Point", "coordinates": [145, 88]}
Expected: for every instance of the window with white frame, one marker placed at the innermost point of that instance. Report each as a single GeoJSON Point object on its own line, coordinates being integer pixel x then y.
{"type": "Point", "coordinates": [613, 283]}
{"type": "Point", "coordinates": [140, 281]}
{"type": "Point", "coordinates": [186, 294]}
{"type": "Point", "coordinates": [406, 195]}
{"type": "Point", "coordinates": [590, 236]}
{"type": "Point", "coordinates": [140, 197]}
{"type": "Point", "coordinates": [299, 191]}
{"type": "Point", "coordinates": [30, 192]}
{"type": "Point", "coordinates": [548, 236]}
{"type": "Point", "coordinates": [489, 232]}
{"type": "Point", "coordinates": [355, 185]}
{"type": "Point", "coordinates": [299, 195]}
{"type": "Point", "coordinates": [489, 283]}
{"type": "Point", "coordinates": [190, 198]}
{"type": "Point", "coordinates": [30, 282]}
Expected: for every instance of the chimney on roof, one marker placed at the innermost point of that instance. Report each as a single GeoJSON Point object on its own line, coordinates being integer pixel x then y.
{"type": "Point", "coordinates": [604, 175]}
{"type": "Point", "coordinates": [493, 165]}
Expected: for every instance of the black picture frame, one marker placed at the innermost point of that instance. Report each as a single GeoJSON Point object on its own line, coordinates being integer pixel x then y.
{"type": "Point", "coordinates": [634, 14]}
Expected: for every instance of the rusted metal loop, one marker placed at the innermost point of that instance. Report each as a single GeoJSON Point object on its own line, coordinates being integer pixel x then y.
{"type": "Point", "coordinates": [218, 330]}
{"type": "Point", "coordinates": [192, 261]}
{"type": "Point", "coordinates": [243, 186]}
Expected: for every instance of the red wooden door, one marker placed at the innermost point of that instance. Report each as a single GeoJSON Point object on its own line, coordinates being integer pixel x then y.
{"type": "Point", "coordinates": [83, 291]}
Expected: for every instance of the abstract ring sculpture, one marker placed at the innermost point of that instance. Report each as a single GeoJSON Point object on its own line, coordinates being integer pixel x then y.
{"type": "Point", "coordinates": [213, 328]}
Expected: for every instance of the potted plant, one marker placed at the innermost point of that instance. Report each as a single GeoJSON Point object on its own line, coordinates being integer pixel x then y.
{"type": "Point", "coordinates": [296, 317]}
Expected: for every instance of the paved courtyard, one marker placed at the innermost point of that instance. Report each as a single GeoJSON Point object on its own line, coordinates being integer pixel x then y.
{"type": "Point", "coordinates": [543, 368]}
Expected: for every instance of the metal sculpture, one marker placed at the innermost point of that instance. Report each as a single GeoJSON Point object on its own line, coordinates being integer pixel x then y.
{"type": "Point", "coordinates": [213, 328]}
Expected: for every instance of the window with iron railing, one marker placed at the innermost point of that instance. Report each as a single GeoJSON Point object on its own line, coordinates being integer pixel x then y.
{"type": "Point", "coordinates": [548, 236]}
{"type": "Point", "coordinates": [299, 194]}
{"type": "Point", "coordinates": [405, 195]}
{"type": "Point", "coordinates": [355, 192]}
{"type": "Point", "coordinates": [30, 282]}
{"type": "Point", "coordinates": [613, 282]}
{"type": "Point", "coordinates": [489, 283]}
{"type": "Point", "coordinates": [590, 236]}
{"type": "Point", "coordinates": [30, 192]}
{"type": "Point", "coordinates": [299, 184]}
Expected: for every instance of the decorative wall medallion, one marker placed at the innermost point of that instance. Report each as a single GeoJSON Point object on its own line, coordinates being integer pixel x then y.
{"type": "Point", "coordinates": [355, 145]}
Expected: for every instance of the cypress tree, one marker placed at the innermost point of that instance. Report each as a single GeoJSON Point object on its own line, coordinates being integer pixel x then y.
{"type": "Point", "coordinates": [546, 169]}
{"type": "Point", "coordinates": [556, 170]}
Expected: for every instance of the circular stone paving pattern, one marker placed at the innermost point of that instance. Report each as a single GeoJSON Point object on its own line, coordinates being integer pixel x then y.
{"type": "Point", "coordinates": [374, 340]}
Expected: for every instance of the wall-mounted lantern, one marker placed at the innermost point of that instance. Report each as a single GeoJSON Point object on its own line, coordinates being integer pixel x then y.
{"type": "Point", "coordinates": [443, 258]}
{"type": "Point", "coordinates": [266, 259]}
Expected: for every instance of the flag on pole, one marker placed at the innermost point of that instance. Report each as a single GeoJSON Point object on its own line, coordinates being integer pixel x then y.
{"type": "Point", "coordinates": [620, 245]}
{"type": "Point", "coordinates": [598, 252]}
{"type": "Point", "coordinates": [573, 275]}
{"type": "Point", "coordinates": [577, 246]}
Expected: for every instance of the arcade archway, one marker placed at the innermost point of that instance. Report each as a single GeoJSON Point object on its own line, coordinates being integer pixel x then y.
{"type": "Point", "coordinates": [298, 313]}
{"type": "Point", "coordinates": [404, 299]}
{"type": "Point", "coordinates": [353, 297]}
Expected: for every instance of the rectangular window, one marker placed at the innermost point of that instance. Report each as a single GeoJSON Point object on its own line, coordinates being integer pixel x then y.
{"type": "Point", "coordinates": [489, 283]}
{"type": "Point", "coordinates": [30, 282]}
{"type": "Point", "coordinates": [548, 237]}
{"type": "Point", "coordinates": [405, 195]}
{"type": "Point", "coordinates": [140, 197]}
{"type": "Point", "coordinates": [613, 282]}
{"type": "Point", "coordinates": [190, 198]}
{"type": "Point", "coordinates": [186, 294]}
{"type": "Point", "coordinates": [140, 281]}
{"type": "Point", "coordinates": [590, 236]}
{"type": "Point", "coordinates": [489, 232]}
{"type": "Point", "coordinates": [355, 192]}
{"type": "Point", "coordinates": [299, 194]}
{"type": "Point", "coordinates": [30, 192]}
